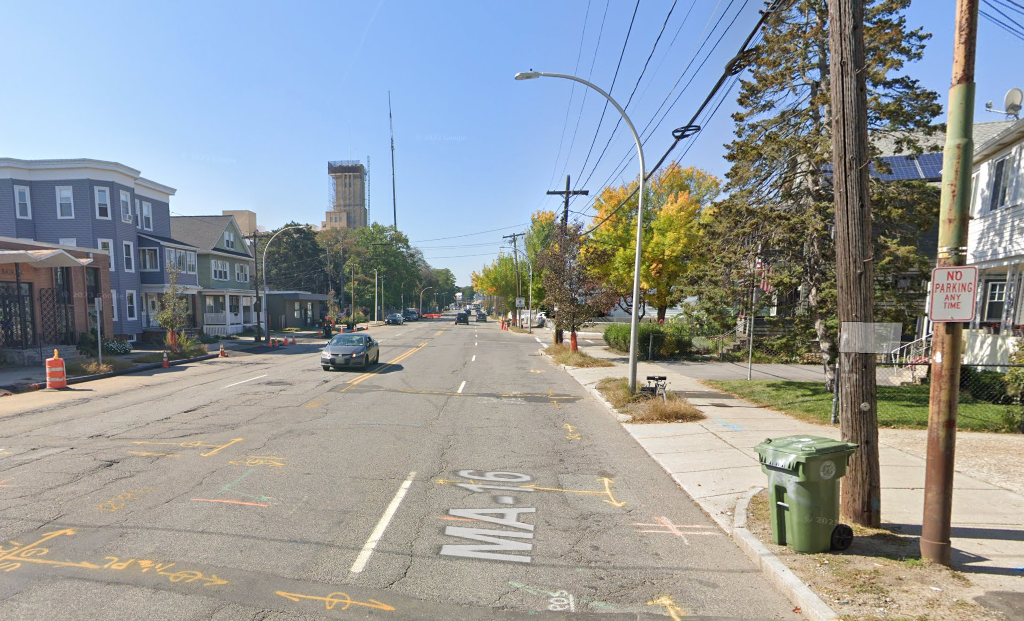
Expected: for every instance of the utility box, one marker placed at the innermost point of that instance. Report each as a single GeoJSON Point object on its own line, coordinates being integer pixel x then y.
{"type": "Point", "coordinates": [803, 491]}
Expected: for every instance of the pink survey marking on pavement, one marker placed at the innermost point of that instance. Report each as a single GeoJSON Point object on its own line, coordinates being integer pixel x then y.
{"type": "Point", "coordinates": [668, 528]}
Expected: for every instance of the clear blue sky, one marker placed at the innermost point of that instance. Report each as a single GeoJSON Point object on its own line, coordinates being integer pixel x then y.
{"type": "Point", "coordinates": [241, 105]}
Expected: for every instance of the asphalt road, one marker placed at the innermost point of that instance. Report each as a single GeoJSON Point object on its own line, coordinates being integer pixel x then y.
{"type": "Point", "coordinates": [465, 477]}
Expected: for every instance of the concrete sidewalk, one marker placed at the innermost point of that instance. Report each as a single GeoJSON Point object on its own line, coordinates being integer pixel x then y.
{"type": "Point", "coordinates": [714, 462]}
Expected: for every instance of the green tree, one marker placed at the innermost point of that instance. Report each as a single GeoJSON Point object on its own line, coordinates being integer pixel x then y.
{"type": "Point", "coordinates": [572, 283]}
{"type": "Point", "coordinates": [537, 238]}
{"type": "Point", "coordinates": [780, 205]}
{"type": "Point", "coordinates": [295, 261]}
{"type": "Point", "coordinates": [676, 200]}
{"type": "Point", "coordinates": [498, 279]}
{"type": "Point", "coordinates": [173, 315]}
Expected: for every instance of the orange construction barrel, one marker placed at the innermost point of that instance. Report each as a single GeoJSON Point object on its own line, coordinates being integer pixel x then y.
{"type": "Point", "coordinates": [56, 377]}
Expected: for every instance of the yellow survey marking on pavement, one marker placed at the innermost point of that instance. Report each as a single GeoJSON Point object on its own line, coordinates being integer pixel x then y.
{"type": "Point", "coordinates": [380, 368]}
{"type": "Point", "coordinates": [572, 435]}
{"type": "Point", "coordinates": [536, 371]}
{"type": "Point", "coordinates": [11, 559]}
{"type": "Point", "coordinates": [670, 607]}
{"type": "Point", "coordinates": [334, 599]}
{"type": "Point", "coordinates": [148, 454]}
{"type": "Point", "coordinates": [195, 444]}
{"type": "Point", "coordinates": [606, 492]}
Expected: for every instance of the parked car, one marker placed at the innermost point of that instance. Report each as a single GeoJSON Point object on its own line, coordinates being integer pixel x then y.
{"type": "Point", "coordinates": [350, 350]}
{"type": "Point", "coordinates": [394, 319]}
{"type": "Point", "coordinates": [462, 318]}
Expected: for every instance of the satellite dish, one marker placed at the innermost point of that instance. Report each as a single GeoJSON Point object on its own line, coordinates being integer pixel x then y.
{"type": "Point", "coordinates": [1012, 101]}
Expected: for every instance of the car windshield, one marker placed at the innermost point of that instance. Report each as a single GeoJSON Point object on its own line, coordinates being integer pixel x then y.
{"type": "Point", "coordinates": [348, 340]}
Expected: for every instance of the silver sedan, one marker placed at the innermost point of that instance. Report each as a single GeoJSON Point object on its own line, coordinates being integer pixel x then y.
{"type": "Point", "coordinates": [350, 350]}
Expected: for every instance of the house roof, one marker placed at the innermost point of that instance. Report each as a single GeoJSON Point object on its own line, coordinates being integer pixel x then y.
{"type": "Point", "coordinates": [204, 232]}
{"type": "Point", "coordinates": [989, 142]}
{"type": "Point", "coordinates": [165, 240]}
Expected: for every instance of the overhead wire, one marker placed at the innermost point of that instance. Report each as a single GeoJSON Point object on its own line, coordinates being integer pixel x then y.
{"type": "Point", "coordinates": [732, 68]}
{"type": "Point", "coordinates": [631, 153]}
{"type": "Point", "coordinates": [572, 93]}
{"type": "Point", "coordinates": [615, 77]}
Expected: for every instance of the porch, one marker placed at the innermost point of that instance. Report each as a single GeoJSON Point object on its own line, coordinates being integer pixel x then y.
{"type": "Point", "coordinates": [228, 313]}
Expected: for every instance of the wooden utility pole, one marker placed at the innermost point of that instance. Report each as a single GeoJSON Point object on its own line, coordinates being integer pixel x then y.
{"type": "Point", "coordinates": [567, 193]}
{"type": "Point", "coordinates": [855, 274]}
{"type": "Point", "coordinates": [954, 213]}
{"type": "Point", "coordinates": [256, 287]}
{"type": "Point", "coordinates": [559, 337]}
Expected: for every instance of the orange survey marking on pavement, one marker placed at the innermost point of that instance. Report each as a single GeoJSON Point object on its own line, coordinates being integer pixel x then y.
{"type": "Point", "coordinates": [334, 599]}
{"type": "Point", "coordinates": [148, 454]}
{"type": "Point", "coordinates": [3, 483]}
{"type": "Point", "coordinates": [12, 558]}
{"type": "Point", "coordinates": [146, 565]}
{"type": "Point", "coordinates": [668, 528]}
{"type": "Point", "coordinates": [230, 502]}
{"type": "Point", "coordinates": [670, 607]}
{"type": "Point", "coordinates": [195, 444]}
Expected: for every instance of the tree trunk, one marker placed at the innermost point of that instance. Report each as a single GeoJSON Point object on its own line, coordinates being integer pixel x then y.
{"type": "Point", "coordinates": [855, 282]}
{"type": "Point", "coordinates": [661, 313]}
{"type": "Point", "coordinates": [572, 342]}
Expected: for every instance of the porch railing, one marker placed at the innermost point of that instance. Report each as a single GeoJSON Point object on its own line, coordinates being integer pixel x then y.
{"type": "Point", "coordinates": [218, 319]}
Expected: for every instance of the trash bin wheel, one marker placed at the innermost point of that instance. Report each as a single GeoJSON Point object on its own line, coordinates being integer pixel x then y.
{"type": "Point", "coordinates": [842, 537]}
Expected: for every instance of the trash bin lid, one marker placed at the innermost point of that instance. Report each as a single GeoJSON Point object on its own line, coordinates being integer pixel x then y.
{"type": "Point", "coordinates": [804, 446]}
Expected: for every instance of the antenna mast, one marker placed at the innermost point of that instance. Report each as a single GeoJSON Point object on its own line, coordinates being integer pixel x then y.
{"type": "Point", "coordinates": [368, 190]}
{"type": "Point", "coordinates": [394, 199]}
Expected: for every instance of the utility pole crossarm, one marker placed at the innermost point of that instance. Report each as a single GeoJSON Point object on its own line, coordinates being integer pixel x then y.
{"type": "Point", "coordinates": [567, 192]}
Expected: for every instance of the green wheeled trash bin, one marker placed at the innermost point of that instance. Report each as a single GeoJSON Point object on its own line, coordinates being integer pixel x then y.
{"type": "Point", "coordinates": [803, 491]}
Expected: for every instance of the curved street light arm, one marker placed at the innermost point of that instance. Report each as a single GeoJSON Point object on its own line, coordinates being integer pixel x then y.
{"type": "Point", "coordinates": [263, 307]}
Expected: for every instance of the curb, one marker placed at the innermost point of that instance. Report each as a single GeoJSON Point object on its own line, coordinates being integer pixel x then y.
{"type": "Point", "coordinates": [781, 577]}
{"type": "Point", "coordinates": [622, 418]}
{"type": "Point", "coordinates": [145, 367]}
{"type": "Point", "coordinates": [801, 595]}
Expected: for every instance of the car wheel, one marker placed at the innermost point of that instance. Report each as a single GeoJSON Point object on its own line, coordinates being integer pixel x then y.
{"type": "Point", "coordinates": [376, 357]}
{"type": "Point", "coordinates": [326, 368]}
{"type": "Point", "coordinates": [366, 361]}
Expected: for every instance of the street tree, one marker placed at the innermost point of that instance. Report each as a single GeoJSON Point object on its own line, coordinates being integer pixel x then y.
{"type": "Point", "coordinates": [295, 261]}
{"type": "Point", "coordinates": [497, 279]}
{"type": "Point", "coordinates": [676, 201]}
{"type": "Point", "coordinates": [780, 206]}
{"type": "Point", "coordinates": [572, 283]}
{"type": "Point", "coordinates": [173, 315]}
{"type": "Point", "coordinates": [535, 242]}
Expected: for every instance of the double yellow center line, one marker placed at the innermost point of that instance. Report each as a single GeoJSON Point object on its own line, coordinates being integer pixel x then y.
{"type": "Point", "coordinates": [400, 357]}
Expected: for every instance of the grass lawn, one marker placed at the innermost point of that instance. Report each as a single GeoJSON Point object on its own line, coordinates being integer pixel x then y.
{"type": "Point", "coordinates": [92, 367]}
{"type": "Point", "coordinates": [898, 406]}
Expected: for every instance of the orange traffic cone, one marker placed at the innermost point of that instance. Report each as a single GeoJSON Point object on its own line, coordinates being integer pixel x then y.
{"type": "Point", "coordinates": [293, 339]}
{"type": "Point", "coordinates": [223, 354]}
{"type": "Point", "coordinates": [165, 360]}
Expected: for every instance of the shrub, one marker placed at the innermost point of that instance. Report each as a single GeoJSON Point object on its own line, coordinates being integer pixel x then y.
{"type": "Point", "coordinates": [208, 338]}
{"type": "Point", "coordinates": [670, 340]}
{"type": "Point", "coordinates": [188, 346]}
{"type": "Point", "coordinates": [115, 347]}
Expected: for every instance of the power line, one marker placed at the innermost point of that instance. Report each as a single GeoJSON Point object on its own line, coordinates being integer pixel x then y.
{"type": "Point", "coordinates": [504, 228]}
{"type": "Point", "coordinates": [635, 86]}
{"type": "Point", "coordinates": [732, 68]}
{"type": "Point", "coordinates": [615, 77]}
{"type": "Point", "coordinates": [572, 93]}
{"type": "Point", "coordinates": [631, 153]}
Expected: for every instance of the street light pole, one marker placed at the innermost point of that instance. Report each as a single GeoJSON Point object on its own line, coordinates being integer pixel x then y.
{"type": "Point", "coordinates": [421, 299]}
{"type": "Point", "coordinates": [266, 315]}
{"type": "Point", "coordinates": [635, 321]}
{"type": "Point", "coordinates": [375, 296]}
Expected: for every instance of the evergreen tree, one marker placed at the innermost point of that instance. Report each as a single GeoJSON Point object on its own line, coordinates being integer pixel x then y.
{"type": "Point", "coordinates": [780, 206]}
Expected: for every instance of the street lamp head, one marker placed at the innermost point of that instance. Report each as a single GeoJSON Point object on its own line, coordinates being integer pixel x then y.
{"type": "Point", "coordinates": [527, 75]}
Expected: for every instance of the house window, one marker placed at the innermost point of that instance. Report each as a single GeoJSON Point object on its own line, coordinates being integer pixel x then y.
{"type": "Point", "coordinates": [241, 272]}
{"type": "Point", "coordinates": [138, 215]}
{"type": "Point", "coordinates": [129, 256]}
{"type": "Point", "coordinates": [113, 304]}
{"type": "Point", "coordinates": [298, 310]}
{"type": "Point", "coordinates": [102, 203]}
{"type": "Point", "coordinates": [999, 185]}
{"type": "Point", "coordinates": [23, 202]}
{"type": "Point", "coordinates": [131, 310]}
{"type": "Point", "coordinates": [995, 301]}
{"type": "Point", "coordinates": [148, 260]}
{"type": "Point", "coordinates": [190, 262]}
{"type": "Point", "coordinates": [229, 239]}
{"type": "Point", "coordinates": [220, 269]}
{"type": "Point", "coordinates": [147, 216]}
{"type": "Point", "coordinates": [233, 301]}
{"type": "Point", "coordinates": [107, 245]}
{"type": "Point", "coordinates": [68, 241]}
{"type": "Point", "coordinates": [65, 203]}
{"type": "Point", "coordinates": [126, 206]}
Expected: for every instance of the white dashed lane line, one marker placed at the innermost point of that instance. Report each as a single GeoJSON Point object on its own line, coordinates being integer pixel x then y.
{"type": "Point", "coordinates": [461, 386]}
{"type": "Point", "coordinates": [382, 525]}
{"type": "Point", "coordinates": [248, 380]}
{"type": "Point", "coordinates": [537, 338]}
{"type": "Point", "coordinates": [474, 358]}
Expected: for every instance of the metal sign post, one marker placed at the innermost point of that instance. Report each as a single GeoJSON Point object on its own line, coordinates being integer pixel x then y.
{"type": "Point", "coordinates": [99, 329]}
